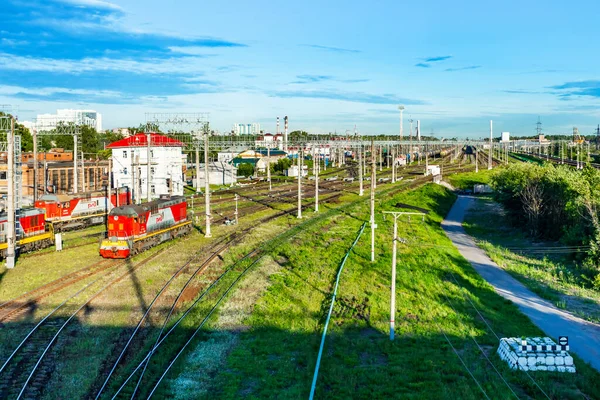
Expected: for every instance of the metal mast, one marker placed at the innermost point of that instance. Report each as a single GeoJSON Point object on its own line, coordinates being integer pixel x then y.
{"type": "Point", "coordinates": [491, 153]}
{"type": "Point", "coordinates": [206, 183]}
{"type": "Point", "coordinates": [372, 220]}
{"type": "Point", "coordinates": [316, 181]}
{"type": "Point", "coordinates": [10, 209]}
{"type": "Point", "coordinates": [299, 184]}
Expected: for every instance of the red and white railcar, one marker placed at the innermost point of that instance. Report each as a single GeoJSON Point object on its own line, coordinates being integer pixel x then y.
{"type": "Point", "coordinates": [31, 229]}
{"type": "Point", "coordinates": [69, 212]}
{"type": "Point", "coordinates": [135, 228]}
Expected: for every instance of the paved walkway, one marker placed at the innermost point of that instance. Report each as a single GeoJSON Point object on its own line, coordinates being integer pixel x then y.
{"type": "Point", "coordinates": [584, 337]}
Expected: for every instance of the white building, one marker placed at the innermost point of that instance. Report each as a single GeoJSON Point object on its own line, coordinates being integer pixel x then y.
{"type": "Point", "coordinates": [130, 165]}
{"type": "Point", "coordinates": [229, 154]}
{"type": "Point", "coordinates": [246, 129]}
{"type": "Point", "coordinates": [219, 173]}
{"type": "Point", "coordinates": [293, 171]}
{"type": "Point", "coordinates": [79, 117]}
{"type": "Point", "coordinates": [270, 140]}
{"type": "Point", "coordinates": [506, 136]}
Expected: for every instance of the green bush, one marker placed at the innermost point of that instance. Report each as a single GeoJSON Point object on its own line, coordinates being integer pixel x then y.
{"type": "Point", "coordinates": [554, 202]}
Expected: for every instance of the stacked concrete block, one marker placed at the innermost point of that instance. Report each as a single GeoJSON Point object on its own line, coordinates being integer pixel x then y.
{"type": "Point", "coordinates": [536, 354]}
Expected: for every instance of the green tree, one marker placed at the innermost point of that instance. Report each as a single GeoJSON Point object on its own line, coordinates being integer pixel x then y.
{"type": "Point", "coordinates": [245, 169]}
{"type": "Point", "coordinates": [281, 165]}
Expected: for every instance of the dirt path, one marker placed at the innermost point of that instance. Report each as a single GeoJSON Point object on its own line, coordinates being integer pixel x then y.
{"type": "Point", "coordinates": [584, 337]}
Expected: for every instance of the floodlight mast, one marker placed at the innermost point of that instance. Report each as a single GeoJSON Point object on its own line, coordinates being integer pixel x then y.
{"type": "Point", "coordinates": [401, 108]}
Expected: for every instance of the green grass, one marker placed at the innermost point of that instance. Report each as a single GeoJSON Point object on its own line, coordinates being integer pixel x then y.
{"type": "Point", "coordinates": [553, 276]}
{"type": "Point", "coordinates": [272, 351]}
{"type": "Point", "coordinates": [466, 180]}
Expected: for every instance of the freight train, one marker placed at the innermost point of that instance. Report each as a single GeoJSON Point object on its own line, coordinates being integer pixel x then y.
{"type": "Point", "coordinates": [135, 228]}
{"type": "Point", "coordinates": [32, 231]}
{"type": "Point", "coordinates": [70, 212]}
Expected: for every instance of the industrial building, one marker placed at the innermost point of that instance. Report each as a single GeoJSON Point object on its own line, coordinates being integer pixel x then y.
{"type": "Point", "coordinates": [163, 155]}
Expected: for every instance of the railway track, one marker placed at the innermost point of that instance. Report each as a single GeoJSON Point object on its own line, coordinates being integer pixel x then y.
{"type": "Point", "coordinates": [11, 309]}
{"type": "Point", "coordinates": [42, 370]}
{"type": "Point", "coordinates": [26, 371]}
{"type": "Point", "coordinates": [559, 160]}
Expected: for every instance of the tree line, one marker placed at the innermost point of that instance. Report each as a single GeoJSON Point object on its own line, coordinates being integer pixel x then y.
{"type": "Point", "coordinates": [555, 202]}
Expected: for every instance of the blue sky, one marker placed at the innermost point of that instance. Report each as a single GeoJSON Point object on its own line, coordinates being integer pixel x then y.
{"type": "Point", "coordinates": [453, 65]}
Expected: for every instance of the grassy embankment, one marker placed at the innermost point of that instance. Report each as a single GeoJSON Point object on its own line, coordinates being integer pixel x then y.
{"type": "Point", "coordinates": [552, 274]}
{"type": "Point", "coordinates": [264, 342]}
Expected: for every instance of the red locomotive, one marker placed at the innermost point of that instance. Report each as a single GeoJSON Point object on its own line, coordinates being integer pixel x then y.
{"type": "Point", "coordinates": [135, 228]}
{"type": "Point", "coordinates": [31, 229]}
{"type": "Point", "coordinates": [69, 212]}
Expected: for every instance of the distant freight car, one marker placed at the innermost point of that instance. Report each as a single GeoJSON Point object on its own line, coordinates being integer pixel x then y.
{"type": "Point", "coordinates": [32, 232]}
{"type": "Point", "coordinates": [70, 212]}
{"type": "Point", "coordinates": [135, 228]}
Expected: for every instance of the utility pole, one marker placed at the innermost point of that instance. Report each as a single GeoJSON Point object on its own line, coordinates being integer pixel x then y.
{"type": "Point", "coordinates": [491, 152]}
{"type": "Point", "coordinates": [360, 169]}
{"type": "Point", "coordinates": [269, 166]}
{"type": "Point", "coordinates": [395, 240]}
{"type": "Point", "coordinates": [387, 156]}
{"type": "Point", "coordinates": [206, 183]}
{"type": "Point", "coordinates": [380, 158]}
{"type": "Point", "coordinates": [197, 166]}
{"type": "Point", "coordinates": [476, 162]}
{"type": "Point", "coordinates": [236, 208]}
{"type": "Point", "coordinates": [75, 177]}
{"type": "Point", "coordinates": [299, 185]}
{"type": "Point", "coordinates": [11, 234]}
{"type": "Point", "coordinates": [393, 164]}
{"type": "Point", "coordinates": [35, 166]}
{"type": "Point", "coordinates": [316, 183]}
{"type": "Point", "coordinates": [109, 180]}
{"type": "Point", "coordinates": [372, 221]}
{"type": "Point", "coordinates": [82, 172]}
{"type": "Point", "coordinates": [134, 192]}
{"type": "Point", "coordinates": [148, 163]}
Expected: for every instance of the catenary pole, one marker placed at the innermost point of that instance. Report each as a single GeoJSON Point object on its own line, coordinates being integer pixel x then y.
{"type": "Point", "coordinates": [361, 191]}
{"type": "Point", "coordinates": [316, 183]}
{"type": "Point", "coordinates": [372, 221]}
{"type": "Point", "coordinates": [35, 166]}
{"type": "Point", "coordinates": [11, 234]}
{"type": "Point", "coordinates": [299, 183]}
{"type": "Point", "coordinates": [206, 185]}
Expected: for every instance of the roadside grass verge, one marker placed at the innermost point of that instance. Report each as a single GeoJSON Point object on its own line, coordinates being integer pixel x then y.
{"type": "Point", "coordinates": [551, 275]}
{"type": "Point", "coordinates": [272, 352]}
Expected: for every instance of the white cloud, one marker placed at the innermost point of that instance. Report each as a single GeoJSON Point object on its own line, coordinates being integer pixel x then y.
{"type": "Point", "coordinates": [187, 65]}
{"type": "Point", "coordinates": [48, 91]}
{"type": "Point", "coordinates": [94, 3]}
